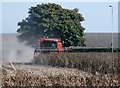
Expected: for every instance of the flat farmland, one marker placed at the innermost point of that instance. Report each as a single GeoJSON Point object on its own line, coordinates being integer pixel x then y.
{"type": "Point", "coordinates": [65, 69]}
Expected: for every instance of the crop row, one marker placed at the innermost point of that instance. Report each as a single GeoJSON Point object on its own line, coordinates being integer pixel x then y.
{"type": "Point", "coordinates": [99, 49]}
{"type": "Point", "coordinates": [91, 62]}
{"type": "Point", "coordinates": [40, 77]}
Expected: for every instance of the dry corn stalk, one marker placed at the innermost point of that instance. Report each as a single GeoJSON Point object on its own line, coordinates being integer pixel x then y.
{"type": "Point", "coordinates": [27, 75]}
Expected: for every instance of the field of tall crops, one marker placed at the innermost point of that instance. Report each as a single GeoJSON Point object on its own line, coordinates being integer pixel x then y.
{"type": "Point", "coordinates": [65, 69]}
{"type": "Point", "coordinates": [90, 62]}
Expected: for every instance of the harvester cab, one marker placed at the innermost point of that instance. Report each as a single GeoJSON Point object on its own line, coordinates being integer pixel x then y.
{"type": "Point", "coordinates": [48, 45]}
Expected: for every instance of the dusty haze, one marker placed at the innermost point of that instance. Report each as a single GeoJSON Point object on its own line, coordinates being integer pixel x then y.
{"type": "Point", "coordinates": [13, 50]}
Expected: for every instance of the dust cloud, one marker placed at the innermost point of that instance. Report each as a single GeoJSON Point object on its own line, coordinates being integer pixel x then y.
{"type": "Point", "coordinates": [15, 51]}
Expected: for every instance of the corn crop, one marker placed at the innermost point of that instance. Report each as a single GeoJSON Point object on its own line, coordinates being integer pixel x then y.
{"type": "Point", "coordinates": [29, 75]}
{"type": "Point", "coordinates": [65, 69]}
{"type": "Point", "coordinates": [91, 62]}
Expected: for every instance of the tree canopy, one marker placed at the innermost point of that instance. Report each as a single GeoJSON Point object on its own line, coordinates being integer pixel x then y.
{"type": "Point", "coordinates": [53, 21]}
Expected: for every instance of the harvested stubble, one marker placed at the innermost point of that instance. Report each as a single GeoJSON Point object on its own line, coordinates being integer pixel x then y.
{"type": "Point", "coordinates": [32, 75]}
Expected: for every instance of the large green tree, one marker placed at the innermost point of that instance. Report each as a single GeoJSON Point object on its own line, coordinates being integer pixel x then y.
{"type": "Point", "coordinates": [53, 21]}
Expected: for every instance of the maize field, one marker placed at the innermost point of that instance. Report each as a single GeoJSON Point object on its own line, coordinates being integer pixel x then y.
{"type": "Point", "coordinates": [88, 62]}
{"type": "Point", "coordinates": [85, 69]}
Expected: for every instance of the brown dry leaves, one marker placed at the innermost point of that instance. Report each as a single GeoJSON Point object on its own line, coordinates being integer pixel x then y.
{"type": "Point", "coordinates": [36, 75]}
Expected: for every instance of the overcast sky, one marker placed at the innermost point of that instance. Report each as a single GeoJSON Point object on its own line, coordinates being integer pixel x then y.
{"type": "Point", "coordinates": [98, 16]}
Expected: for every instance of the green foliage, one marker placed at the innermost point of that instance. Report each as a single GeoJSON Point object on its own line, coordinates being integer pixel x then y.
{"type": "Point", "coordinates": [53, 21]}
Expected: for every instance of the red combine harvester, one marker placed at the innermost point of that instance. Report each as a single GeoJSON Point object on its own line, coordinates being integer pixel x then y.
{"type": "Point", "coordinates": [48, 45]}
